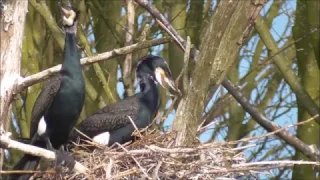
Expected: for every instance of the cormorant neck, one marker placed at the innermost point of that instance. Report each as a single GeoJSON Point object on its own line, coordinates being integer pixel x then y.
{"type": "Point", "coordinates": [71, 29]}
{"type": "Point", "coordinates": [150, 91]}
{"type": "Point", "coordinates": [71, 63]}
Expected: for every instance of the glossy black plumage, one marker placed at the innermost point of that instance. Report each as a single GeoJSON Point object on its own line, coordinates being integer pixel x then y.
{"type": "Point", "coordinates": [142, 107]}
{"type": "Point", "coordinates": [60, 103]}
{"type": "Point", "coordinates": [44, 100]}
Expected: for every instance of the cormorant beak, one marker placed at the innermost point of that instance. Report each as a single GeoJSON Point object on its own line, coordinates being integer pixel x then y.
{"type": "Point", "coordinates": [165, 80]}
{"type": "Point", "coordinates": [68, 16]}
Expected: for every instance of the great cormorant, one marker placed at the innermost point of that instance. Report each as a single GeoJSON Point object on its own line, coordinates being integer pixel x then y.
{"type": "Point", "coordinates": [112, 124]}
{"type": "Point", "coordinates": [58, 106]}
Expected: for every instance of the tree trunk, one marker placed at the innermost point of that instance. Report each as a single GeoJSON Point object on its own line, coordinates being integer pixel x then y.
{"type": "Point", "coordinates": [11, 34]}
{"type": "Point", "coordinates": [309, 76]}
{"type": "Point", "coordinates": [218, 52]}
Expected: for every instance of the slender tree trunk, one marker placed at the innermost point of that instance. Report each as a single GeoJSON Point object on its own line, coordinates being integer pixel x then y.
{"type": "Point", "coordinates": [11, 34]}
{"type": "Point", "coordinates": [309, 77]}
{"type": "Point", "coordinates": [178, 21]}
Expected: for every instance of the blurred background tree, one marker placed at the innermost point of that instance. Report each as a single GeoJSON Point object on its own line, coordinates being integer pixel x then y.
{"type": "Point", "coordinates": [292, 25]}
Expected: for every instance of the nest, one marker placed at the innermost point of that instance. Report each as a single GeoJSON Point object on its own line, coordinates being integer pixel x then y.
{"type": "Point", "coordinates": [155, 157]}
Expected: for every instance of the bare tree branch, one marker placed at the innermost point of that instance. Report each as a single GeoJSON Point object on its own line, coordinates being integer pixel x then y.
{"type": "Point", "coordinates": [6, 142]}
{"type": "Point", "coordinates": [127, 65]}
{"type": "Point", "coordinates": [269, 125]}
{"type": "Point", "coordinates": [43, 75]}
{"type": "Point", "coordinates": [281, 61]}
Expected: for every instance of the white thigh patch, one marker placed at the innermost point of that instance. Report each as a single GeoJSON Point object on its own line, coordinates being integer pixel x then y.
{"type": "Point", "coordinates": [42, 127]}
{"type": "Point", "coordinates": [102, 138]}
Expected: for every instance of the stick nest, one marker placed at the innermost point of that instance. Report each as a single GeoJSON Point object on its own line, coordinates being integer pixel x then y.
{"type": "Point", "coordinates": [155, 157]}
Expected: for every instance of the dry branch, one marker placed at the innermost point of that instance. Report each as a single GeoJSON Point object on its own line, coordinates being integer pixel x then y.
{"type": "Point", "coordinates": [127, 65]}
{"type": "Point", "coordinates": [8, 143]}
{"type": "Point", "coordinates": [43, 75]}
{"type": "Point", "coordinates": [269, 125]}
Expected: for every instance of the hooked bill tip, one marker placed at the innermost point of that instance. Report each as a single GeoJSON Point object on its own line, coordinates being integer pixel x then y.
{"type": "Point", "coordinates": [65, 11]}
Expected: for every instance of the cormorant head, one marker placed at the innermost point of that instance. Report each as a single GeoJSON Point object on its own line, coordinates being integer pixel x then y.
{"type": "Point", "coordinates": [69, 17]}
{"type": "Point", "coordinates": [157, 69]}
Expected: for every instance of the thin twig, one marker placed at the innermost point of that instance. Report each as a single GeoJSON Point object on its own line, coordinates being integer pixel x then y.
{"type": "Point", "coordinates": [278, 130]}
{"type": "Point", "coordinates": [201, 129]}
{"type": "Point", "coordinates": [138, 164]}
{"type": "Point", "coordinates": [276, 162]}
{"type": "Point", "coordinates": [126, 173]}
{"type": "Point", "coordinates": [156, 170]}
{"type": "Point", "coordinates": [171, 34]}
{"type": "Point", "coordinates": [91, 140]}
{"type": "Point", "coordinates": [164, 117]}
{"type": "Point", "coordinates": [109, 168]}
{"type": "Point", "coordinates": [239, 169]}
{"type": "Point", "coordinates": [244, 147]}
{"type": "Point", "coordinates": [26, 172]}
{"type": "Point", "coordinates": [135, 127]}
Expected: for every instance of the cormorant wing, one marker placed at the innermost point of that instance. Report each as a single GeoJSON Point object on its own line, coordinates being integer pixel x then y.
{"type": "Point", "coordinates": [43, 101]}
{"type": "Point", "coordinates": [111, 117]}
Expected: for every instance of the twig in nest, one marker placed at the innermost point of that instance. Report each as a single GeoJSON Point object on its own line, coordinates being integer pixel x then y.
{"type": "Point", "coordinates": [109, 168]}
{"type": "Point", "coordinates": [202, 129]}
{"type": "Point", "coordinates": [26, 172]}
{"type": "Point", "coordinates": [156, 170]}
{"type": "Point", "coordinates": [92, 142]}
{"type": "Point", "coordinates": [135, 127]}
{"type": "Point", "coordinates": [170, 109]}
{"type": "Point", "coordinates": [276, 162]}
{"type": "Point", "coordinates": [126, 173]}
{"type": "Point", "coordinates": [243, 147]}
{"type": "Point", "coordinates": [81, 133]}
{"type": "Point", "coordinates": [138, 164]}
{"type": "Point", "coordinates": [153, 121]}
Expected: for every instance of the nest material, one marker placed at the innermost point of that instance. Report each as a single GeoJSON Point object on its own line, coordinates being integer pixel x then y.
{"type": "Point", "coordinates": [154, 157]}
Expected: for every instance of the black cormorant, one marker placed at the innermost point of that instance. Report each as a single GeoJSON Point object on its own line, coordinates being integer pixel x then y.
{"type": "Point", "coordinates": [58, 106]}
{"type": "Point", "coordinates": [112, 124]}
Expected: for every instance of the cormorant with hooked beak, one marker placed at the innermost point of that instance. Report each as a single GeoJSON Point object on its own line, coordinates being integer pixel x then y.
{"type": "Point", "coordinates": [59, 105]}
{"type": "Point", "coordinates": [112, 124]}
